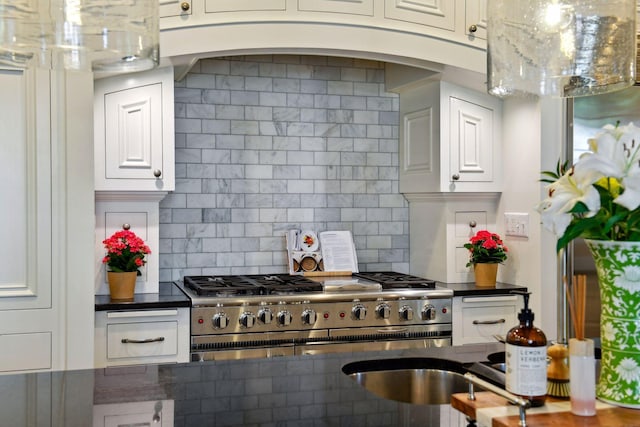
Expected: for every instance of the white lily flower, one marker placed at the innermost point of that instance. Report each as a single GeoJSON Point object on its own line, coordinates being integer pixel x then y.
{"type": "Point", "coordinates": [573, 187]}
{"type": "Point", "coordinates": [614, 164]}
{"type": "Point", "coordinates": [630, 198]}
{"type": "Point", "coordinates": [616, 154]}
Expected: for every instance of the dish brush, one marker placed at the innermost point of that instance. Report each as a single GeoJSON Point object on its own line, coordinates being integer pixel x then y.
{"type": "Point", "coordinates": [558, 371]}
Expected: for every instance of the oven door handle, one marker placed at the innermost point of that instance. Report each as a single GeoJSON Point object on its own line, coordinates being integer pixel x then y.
{"type": "Point", "coordinates": [392, 330]}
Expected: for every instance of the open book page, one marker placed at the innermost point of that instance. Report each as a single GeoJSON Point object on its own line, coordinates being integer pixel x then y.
{"type": "Point", "coordinates": [338, 251]}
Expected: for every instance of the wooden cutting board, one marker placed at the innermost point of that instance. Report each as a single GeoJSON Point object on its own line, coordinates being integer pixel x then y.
{"type": "Point", "coordinates": [556, 412]}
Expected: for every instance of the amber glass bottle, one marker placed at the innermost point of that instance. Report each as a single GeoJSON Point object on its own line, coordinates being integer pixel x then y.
{"type": "Point", "coordinates": [526, 358]}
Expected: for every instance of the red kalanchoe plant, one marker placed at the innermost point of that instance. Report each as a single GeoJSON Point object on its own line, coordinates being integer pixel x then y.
{"type": "Point", "coordinates": [486, 247]}
{"type": "Point", "coordinates": [125, 252]}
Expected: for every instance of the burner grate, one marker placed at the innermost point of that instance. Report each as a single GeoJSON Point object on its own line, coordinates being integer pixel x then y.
{"type": "Point", "coordinates": [226, 286]}
{"type": "Point", "coordinates": [393, 280]}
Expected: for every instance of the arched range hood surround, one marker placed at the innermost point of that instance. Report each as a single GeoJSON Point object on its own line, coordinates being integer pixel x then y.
{"type": "Point", "coordinates": [185, 45]}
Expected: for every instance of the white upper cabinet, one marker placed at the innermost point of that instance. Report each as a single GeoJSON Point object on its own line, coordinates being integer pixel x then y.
{"type": "Point", "coordinates": [423, 33]}
{"type": "Point", "coordinates": [434, 13]}
{"type": "Point", "coordinates": [450, 139]}
{"type": "Point", "coordinates": [357, 7]}
{"type": "Point", "coordinates": [476, 18]}
{"type": "Point", "coordinates": [243, 5]}
{"type": "Point", "coordinates": [134, 132]}
{"type": "Point", "coordinates": [174, 8]}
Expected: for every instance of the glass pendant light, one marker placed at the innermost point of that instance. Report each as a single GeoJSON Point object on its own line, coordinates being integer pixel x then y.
{"type": "Point", "coordinates": [98, 35]}
{"type": "Point", "coordinates": [560, 48]}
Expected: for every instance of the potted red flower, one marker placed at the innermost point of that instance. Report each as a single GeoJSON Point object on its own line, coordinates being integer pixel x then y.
{"type": "Point", "coordinates": [486, 251]}
{"type": "Point", "coordinates": [125, 255]}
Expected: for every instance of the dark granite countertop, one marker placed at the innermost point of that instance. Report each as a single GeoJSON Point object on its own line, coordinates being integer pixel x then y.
{"type": "Point", "coordinates": [286, 391]}
{"type": "Point", "coordinates": [470, 289]}
{"type": "Point", "coordinates": [169, 296]}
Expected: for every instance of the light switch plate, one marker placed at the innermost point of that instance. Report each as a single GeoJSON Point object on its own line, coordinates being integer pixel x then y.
{"type": "Point", "coordinates": [516, 224]}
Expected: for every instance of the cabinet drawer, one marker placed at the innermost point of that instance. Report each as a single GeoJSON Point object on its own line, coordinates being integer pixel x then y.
{"type": "Point", "coordinates": [142, 339]}
{"type": "Point", "coordinates": [477, 318]}
{"type": "Point", "coordinates": [479, 324]}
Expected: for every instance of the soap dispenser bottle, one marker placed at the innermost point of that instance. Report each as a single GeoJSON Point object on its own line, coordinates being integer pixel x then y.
{"type": "Point", "coordinates": [526, 358]}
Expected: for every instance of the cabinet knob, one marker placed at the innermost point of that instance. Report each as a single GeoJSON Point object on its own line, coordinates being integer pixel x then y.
{"type": "Point", "coordinates": [126, 226]}
{"type": "Point", "coordinates": [157, 173]}
{"type": "Point", "coordinates": [473, 28]}
{"type": "Point", "coordinates": [185, 6]}
{"type": "Point", "coordinates": [472, 224]}
{"type": "Point", "coordinates": [455, 177]}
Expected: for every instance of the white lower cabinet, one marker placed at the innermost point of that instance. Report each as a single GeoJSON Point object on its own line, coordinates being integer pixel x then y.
{"type": "Point", "coordinates": [476, 319]}
{"type": "Point", "coordinates": [157, 413]}
{"type": "Point", "coordinates": [131, 337]}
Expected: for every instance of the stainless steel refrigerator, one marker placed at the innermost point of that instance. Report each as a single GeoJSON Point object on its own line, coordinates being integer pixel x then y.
{"type": "Point", "coordinates": [589, 115]}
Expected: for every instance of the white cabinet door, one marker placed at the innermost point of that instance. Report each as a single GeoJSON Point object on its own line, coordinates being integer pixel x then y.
{"type": "Point", "coordinates": [471, 142]}
{"type": "Point", "coordinates": [133, 119]}
{"type": "Point", "coordinates": [139, 216]}
{"type": "Point", "coordinates": [25, 190]}
{"type": "Point", "coordinates": [433, 13]}
{"type": "Point", "coordinates": [174, 8]}
{"type": "Point", "coordinates": [26, 218]}
{"type": "Point", "coordinates": [476, 18]}
{"type": "Point", "coordinates": [356, 7]}
{"type": "Point", "coordinates": [243, 5]}
{"type": "Point", "coordinates": [440, 226]}
{"type": "Point", "coordinates": [450, 140]}
{"type": "Point", "coordinates": [134, 132]}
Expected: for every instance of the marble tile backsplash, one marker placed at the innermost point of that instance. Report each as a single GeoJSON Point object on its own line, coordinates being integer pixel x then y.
{"type": "Point", "coordinates": [269, 143]}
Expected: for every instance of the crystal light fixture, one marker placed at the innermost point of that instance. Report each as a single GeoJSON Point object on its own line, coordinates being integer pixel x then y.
{"type": "Point", "coordinates": [560, 48]}
{"type": "Point", "coordinates": [98, 35]}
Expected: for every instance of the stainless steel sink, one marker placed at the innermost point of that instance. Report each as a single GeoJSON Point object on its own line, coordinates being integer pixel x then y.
{"type": "Point", "coordinates": [502, 367]}
{"type": "Point", "coordinates": [422, 381]}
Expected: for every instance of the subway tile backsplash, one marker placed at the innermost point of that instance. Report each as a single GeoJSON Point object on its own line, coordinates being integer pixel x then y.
{"type": "Point", "coordinates": [268, 143]}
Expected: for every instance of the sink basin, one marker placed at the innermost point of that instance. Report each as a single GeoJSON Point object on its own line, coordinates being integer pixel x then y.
{"type": "Point", "coordinates": [422, 381]}
{"type": "Point", "coordinates": [502, 367]}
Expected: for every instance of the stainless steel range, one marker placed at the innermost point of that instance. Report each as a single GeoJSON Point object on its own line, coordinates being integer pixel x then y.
{"type": "Point", "coordinates": [247, 316]}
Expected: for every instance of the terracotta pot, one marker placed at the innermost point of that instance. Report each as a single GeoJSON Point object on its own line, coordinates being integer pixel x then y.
{"type": "Point", "coordinates": [485, 274]}
{"type": "Point", "coordinates": [122, 285]}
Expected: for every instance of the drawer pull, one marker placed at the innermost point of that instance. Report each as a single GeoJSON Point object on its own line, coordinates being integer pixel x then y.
{"type": "Point", "coordinates": [148, 340]}
{"type": "Point", "coordinates": [488, 322]}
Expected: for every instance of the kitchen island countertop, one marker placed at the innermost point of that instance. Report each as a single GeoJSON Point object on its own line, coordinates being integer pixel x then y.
{"type": "Point", "coordinates": [285, 391]}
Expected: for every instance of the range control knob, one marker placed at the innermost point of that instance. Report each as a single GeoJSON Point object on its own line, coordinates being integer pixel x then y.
{"type": "Point", "coordinates": [220, 320]}
{"type": "Point", "coordinates": [406, 313]}
{"type": "Point", "coordinates": [359, 312]}
{"type": "Point", "coordinates": [429, 312]}
{"type": "Point", "coordinates": [247, 319]}
{"type": "Point", "coordinates": [309, 316]}
{"type": "Point", "coordinates": [383, 310]}
{"type": "Point", "coordinates": [265, 315]}
{"type": "Point", "coordinates": [284, 318]}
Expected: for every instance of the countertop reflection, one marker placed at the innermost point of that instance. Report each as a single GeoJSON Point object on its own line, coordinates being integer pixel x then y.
{"type": "Point", "coordinates": [285, 391]}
